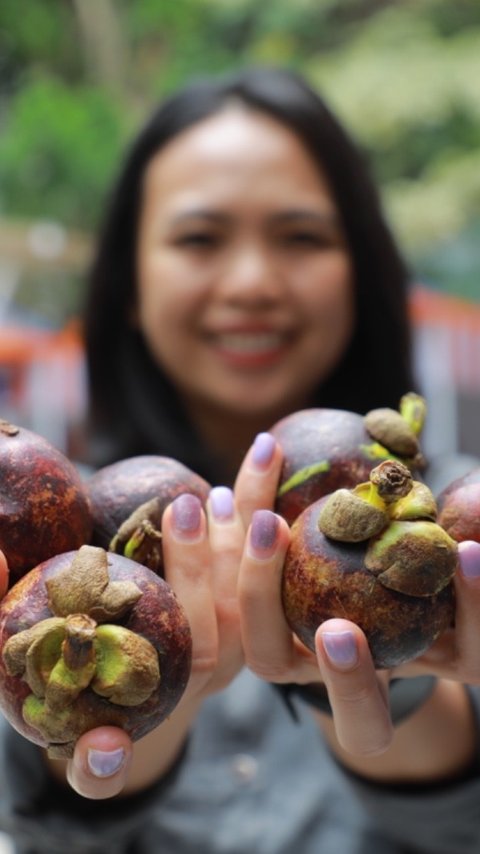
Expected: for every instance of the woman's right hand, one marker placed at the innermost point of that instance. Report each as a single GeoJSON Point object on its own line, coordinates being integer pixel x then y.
{"type": "Point", "coordinates": [202, 557]}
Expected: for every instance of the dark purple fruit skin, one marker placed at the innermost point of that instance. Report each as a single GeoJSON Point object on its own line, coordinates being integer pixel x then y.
{"type": "Point", "coordinates": [323, 579]}
{"type": "Point", "coordinates": [335, 436]}
{"type": "Point", "coordinates": [115, 491]}
{"type": "Point", "coordinates": [157, 615]}
{"type": "Point", "coordinates": [44, 508]}
{"type": "Point", "coordinates": [459, 507]}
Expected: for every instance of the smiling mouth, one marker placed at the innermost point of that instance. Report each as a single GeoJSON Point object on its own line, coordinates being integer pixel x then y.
{"type": "Point", "coordinates": [250, 343]}
{"type": "Point", "coordinates": [250, 350]}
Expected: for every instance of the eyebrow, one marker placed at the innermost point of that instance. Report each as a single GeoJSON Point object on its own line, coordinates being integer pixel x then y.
{"type": "Point", "coordinates": [200, 213]}
{"type": "Point", "coordinates": [329, 218]}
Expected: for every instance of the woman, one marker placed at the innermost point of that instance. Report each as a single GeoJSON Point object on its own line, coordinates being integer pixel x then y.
{"type": "Point", "coordinates": [136, 403]}
{"type": "Point", "coordinates": [245, 271]}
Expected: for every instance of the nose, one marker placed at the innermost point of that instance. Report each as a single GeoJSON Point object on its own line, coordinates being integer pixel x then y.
{"type": "Point", "coordinates": [251, 275]}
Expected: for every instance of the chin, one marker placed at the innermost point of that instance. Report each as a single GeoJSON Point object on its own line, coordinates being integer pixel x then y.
{"type": "Point", "coordinates": [261, 410]}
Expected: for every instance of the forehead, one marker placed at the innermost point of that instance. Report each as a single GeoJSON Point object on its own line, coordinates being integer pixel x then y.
{"type": "Point", "coordinates": [236, 149]}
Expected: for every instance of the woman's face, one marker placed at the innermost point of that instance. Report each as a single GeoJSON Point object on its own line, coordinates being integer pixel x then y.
{"type": "Point", "coordinates": [245, 294]}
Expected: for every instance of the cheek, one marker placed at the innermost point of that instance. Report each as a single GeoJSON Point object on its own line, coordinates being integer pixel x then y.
{"type": "Point", "coordinates": [157, 315]}
{"type": "Point", "coordinates": [330, 301]}
{"type": "Point", "coordinates": [158, 305]}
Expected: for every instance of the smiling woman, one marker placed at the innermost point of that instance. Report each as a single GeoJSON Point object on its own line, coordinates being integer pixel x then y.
{"type": "Point", "coordinates": [249, 274]}
{"type": "Point", "coordinates": [244, 288]}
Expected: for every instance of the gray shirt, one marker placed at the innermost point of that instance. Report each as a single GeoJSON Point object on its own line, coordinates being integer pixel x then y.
{"type": "Point", "coordinates": [251, 781]}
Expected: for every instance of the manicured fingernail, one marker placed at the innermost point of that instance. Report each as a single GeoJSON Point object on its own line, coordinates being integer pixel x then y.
{"type": "Point", "coordinates": [469, 557]}
{"type": "Point", "coordinates": [263, 533]}
{"type": "Point", "coordinates": [221, 503]}
{"type": "Point", "coordinates": [186, 514]}
{"type": "Point", "coordinates": [340, 648]}
{"type": "Point", "coordinates": [103, 763]}
{"type": "Point", "coordinates": [263, 448]}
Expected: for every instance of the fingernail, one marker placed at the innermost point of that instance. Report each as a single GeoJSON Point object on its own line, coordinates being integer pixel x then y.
{"type": "Point", "coordinates": [263, 448]}
{"type": "Point", "coordinates": [263, 533]}
{"type": "Point", "coordinates": [103, 763]}
{"type": "Point", "coordinates": [186, 514]}
{"type": "Point", "coordinates": [340, 648]}
{"type": "Point", "coordinates": [469, 557]}
{"type": "Point", "coordinates": [221, 503]}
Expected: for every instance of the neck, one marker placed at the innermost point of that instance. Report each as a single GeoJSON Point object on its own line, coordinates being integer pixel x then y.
{"type": "Point", "coordinates": [229, 435]}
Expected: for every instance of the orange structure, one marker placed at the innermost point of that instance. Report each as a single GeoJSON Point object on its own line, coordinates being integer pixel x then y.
{"type": "Point", "coordinates": [451, 327]}
{"type": "Point", "coordinates": [42, 372]}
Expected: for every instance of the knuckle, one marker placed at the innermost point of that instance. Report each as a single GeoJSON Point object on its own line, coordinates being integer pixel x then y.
{"type": "Point", "coordinates": [204, 665]}
{"type": "Point", "coordinates": [268, 671]}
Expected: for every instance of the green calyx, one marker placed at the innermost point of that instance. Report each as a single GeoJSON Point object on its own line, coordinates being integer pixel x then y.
{"type": "Point", "coordinates": [407, 551]}
{"type": "Point", "coordinates": [376, 452]}
{"type": "Point", "coordinates": [417, 558]}
{"type": "Point", "coordinates": [398, 431]}
{"type": "Point", "coordinates": [302, 476]}
{"type": "Point", "coordinates": [413, 409]}
{"type": "Point", "coordinates": [139, 536]}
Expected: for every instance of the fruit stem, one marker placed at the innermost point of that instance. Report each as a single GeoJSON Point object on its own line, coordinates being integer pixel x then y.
{"type": "Point", "coordinates": [78, 645]}
{"type": "Point", "coordinates": [392, 480]}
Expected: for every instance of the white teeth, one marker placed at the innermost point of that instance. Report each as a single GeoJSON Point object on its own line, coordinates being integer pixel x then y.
{"type": "Point", "coordinates": [249, 342]}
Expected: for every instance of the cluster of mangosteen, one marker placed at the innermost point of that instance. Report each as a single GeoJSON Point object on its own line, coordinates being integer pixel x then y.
{"type": "Point", "coordinates": [92, 634]}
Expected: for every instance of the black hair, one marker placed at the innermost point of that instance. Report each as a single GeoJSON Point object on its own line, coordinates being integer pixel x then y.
{"type": "Point", "coordinates": [134, 408]}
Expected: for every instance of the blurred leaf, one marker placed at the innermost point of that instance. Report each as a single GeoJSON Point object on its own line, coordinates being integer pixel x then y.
{"type": "Point", "coordinates": [57, 152]}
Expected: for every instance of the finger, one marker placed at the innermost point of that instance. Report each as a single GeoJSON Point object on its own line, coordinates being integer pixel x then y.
{"type": "Point", "coordinates": [227, 537]}
{"type": "Point", "coordinates": [454, 654]}
{"type": "Point", "coordinates": [257, 480]}
{"type": "Point", "coordinates": [100, 764]}
{"type": "Point", "coordinates": [467, 626]}
{"type": "Point", "coordinates": [357, 697]}
{"type": "Point", "coordinates": [268, 643]}
{"type": "Point", "coordinates": [3, 575]}
{"type": "Point", "coordinates": [188, 570]}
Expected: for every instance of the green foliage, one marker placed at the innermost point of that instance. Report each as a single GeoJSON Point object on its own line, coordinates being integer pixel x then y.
{"type": "Point", "coordinates": [44, 34]}
{"type": "Point", "coordinates": [402, 75]}
{"type": "Point", "coordinates": [407, 86]}
{"type": "Point", "coordinates": [57, 152]}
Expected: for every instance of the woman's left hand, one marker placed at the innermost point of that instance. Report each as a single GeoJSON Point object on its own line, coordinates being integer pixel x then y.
{"type": "Point", "coordinates": [357, 692]}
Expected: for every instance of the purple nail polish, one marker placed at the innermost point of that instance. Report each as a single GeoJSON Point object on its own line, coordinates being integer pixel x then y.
{"type": "Point", "coordinates": [105, 763]}
{"type": "Point", "coordinates": [264, 531]}
{"type": "Point", "coordinates": [469, 557]}
{"type": "Point", "coordinates": [186, 513]}
{"type": "Point", "coordinates": [341, 648]}
{"type": "Point", "coordinates": [221, 503]}
{"type": "Point", "coordinates": [263, 448]}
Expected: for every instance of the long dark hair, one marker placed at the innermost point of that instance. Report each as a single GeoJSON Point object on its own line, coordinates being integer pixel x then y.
{"type": "Point", "coordinates": [133, 406]}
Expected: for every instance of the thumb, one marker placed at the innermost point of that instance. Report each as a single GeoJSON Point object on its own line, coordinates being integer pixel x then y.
{"type": "Point", "coordinates": [100, 764]}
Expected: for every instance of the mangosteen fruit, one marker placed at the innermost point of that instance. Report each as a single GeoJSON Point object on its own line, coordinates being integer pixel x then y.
{"type": "Point", "coordinates": [373, 554]}
{"type": "Point", "coordinates": [89, 638]}
{"type": "Point", "coordinates": [325, 449]}
{"type": "Point", "coordinates": [459, 507]}
{"type": "Point", "coordinates": [128, 499]}
{"type": "Point", "coordinates": [44, 507]}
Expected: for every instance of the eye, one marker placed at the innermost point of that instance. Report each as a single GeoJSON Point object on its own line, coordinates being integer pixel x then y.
{"type": "Point", "coordinates": [198, 240]}
{"type": "Point", "coordinates": [307, 239]}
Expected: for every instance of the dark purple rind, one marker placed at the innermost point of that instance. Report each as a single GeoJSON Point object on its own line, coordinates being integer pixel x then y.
{"type": "Point", "coordinates": [115, 491]}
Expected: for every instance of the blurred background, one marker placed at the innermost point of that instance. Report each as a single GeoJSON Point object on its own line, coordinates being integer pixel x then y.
{"type": "Point", "coordinates": [77, 77]}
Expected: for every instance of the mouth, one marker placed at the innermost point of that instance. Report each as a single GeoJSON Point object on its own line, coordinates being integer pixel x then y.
{"type": "Point", "coordinates": [250, 348]}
